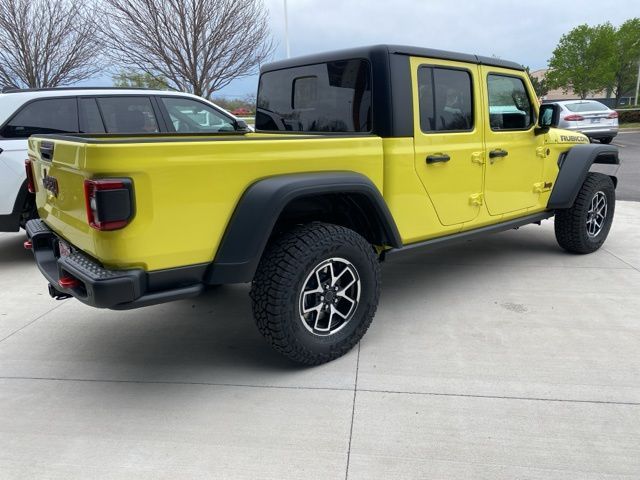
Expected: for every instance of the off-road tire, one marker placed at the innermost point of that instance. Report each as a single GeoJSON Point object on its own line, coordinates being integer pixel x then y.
{"type": "Point", "coordinates": [288, 261]}
{"type": "Point", "coordinates": [571, 224]}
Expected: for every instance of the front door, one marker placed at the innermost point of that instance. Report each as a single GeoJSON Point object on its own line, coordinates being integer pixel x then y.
{"type": "Point", "coordinates": [514, 165]}
{"type": "Point", "coordinates": [448, 137]}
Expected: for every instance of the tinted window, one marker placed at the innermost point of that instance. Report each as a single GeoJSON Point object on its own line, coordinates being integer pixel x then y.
{"type": "Point", "coordinates": [191, 116]}
{"type": "Point", "coordinates": [509, 104]}
{"type": "Point", "coordinates": [326, 97]}
{"type": "Point", "coordinates": [128, 114]}
{"type": "Point", "coordinates": [586, 107]}
{"type": "Point", "coordinates": [56, 115]}
{"type": "Point", "coordinates": [90, 120]}
{"type": "Point", "coordinates": [446, 100]}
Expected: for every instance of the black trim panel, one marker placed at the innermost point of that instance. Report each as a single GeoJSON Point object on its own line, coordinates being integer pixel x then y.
{"type": "Point", "coordinates": [259, 208]}
{"type": "Point", "coordinates": [574, 170]}
{"type": "Point", "coordinates": [366, 52]}
{"type": "Point", "coordinates": [470, 234]}
{"type": "Point", "coordinates": [11, 221]}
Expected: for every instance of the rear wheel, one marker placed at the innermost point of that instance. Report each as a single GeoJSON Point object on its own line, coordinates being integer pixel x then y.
{"type": "Point", "coordinates": [316, 291]}
{"type": "Point", "coordinates": [584, 227]}
{"type": "Point", "coordinates": [606, 140]}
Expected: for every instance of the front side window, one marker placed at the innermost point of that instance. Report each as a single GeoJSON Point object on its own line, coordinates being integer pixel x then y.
{"type": "Point", "coordinates": [509, 105]}
{"type": "Point", "coordinates": [128, 114]}
{"type": "Point", "coordinates": [191, 116]}
{"type": "Point", "coordinates": [325, 97]}
{"type": "Point", "coordinates": [446, 100]}
{"type": "Point", "coordinates": [55, 115]}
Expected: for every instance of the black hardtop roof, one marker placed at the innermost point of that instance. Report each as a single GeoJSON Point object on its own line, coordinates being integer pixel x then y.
{"type": "Point", "coordinates": [376, 50]}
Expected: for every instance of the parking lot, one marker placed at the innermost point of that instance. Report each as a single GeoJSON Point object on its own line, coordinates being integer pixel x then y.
{"type": "Point", "coordinates": [497, 358]}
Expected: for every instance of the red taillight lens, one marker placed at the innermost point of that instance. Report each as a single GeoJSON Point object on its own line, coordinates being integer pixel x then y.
{"type": "Point", "coordinates": [613, 115]}
{"type": "Point", "coordinates": [109, 202]}
{"type": "Point", "coordinates": [574, 118]}
{"type": "Point", "coordinates": [31, 184]}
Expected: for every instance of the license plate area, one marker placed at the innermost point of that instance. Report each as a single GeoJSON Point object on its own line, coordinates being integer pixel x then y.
{"type": "Point", "coordinates": [64, 249]}
{"type": "Point", "coordinates": [595, 120]}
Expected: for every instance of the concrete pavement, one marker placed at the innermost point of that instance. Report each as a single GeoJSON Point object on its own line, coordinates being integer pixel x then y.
{"type": "Point", "coordinates": [498, 358]}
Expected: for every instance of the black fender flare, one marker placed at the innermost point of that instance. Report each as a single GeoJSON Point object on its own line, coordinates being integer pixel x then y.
{"type": "Point", "coordinates": [258, 209]}
{"type": "Point", "coordinates": [574, 169]}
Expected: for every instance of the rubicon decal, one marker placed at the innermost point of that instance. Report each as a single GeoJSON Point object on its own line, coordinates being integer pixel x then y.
{"type": "Point", "coordinates": [574, 139]}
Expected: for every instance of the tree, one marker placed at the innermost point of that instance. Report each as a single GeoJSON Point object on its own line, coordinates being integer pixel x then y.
{"type": "Point", "coordinates": [581, 61]}
{"type": "Point", "coordinates": [197, 45]}
{"type": "Point", "coordinates": [46, 43]}
{"type": "Point", "coordinates": [539, 84]}
{"type": "Point", "coordinates": [139, 80]}
{"type": "Point", "coordinates": [624, 62]}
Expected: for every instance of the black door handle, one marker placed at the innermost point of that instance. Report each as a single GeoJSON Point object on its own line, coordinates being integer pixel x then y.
{"type": "Point", "coordinates": [438, 157]}
{"type": "Point", "coordinates": [498, 153]}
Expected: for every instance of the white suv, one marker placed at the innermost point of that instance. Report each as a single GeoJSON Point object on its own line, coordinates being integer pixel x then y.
{"type": "Point", "coordinates": [93, 111]}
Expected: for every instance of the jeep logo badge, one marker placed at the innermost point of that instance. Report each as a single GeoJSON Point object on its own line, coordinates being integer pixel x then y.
{"type": "Point", "coordinates": [51, 184]}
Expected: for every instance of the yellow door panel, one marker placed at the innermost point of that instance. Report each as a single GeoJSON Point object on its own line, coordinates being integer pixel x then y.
{"type": "Point", "coordinates": [448, 131]}
{"type": "Point", "coordinates": [514, 167]}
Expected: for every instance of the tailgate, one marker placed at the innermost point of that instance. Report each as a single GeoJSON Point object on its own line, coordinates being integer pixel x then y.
{"type": "Point", "coordinates": [59, 182]}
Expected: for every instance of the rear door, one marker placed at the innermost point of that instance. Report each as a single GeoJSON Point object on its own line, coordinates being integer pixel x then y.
{"type": "Point", "coordinates": [120, 114]}
{"type": "Point", "coordinates": [448, 137]}
{"type": "Point", "coordinates": [514, 165]}
{"type": "Point", "coordinates": [41, 115]}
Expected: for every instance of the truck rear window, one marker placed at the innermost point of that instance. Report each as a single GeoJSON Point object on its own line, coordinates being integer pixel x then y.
{"type": "Point", "coordinates": [325, 97]}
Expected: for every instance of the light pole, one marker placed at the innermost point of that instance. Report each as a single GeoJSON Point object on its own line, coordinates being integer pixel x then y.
{"type": "Point", "coordinates": [286, 30]}
{"type": "Point", "coordinates": [637, 83]}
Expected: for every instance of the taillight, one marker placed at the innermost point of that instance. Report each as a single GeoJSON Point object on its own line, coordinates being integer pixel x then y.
{"type": "Point", "coordinates": [31, 184]}
{"type": "Point", "coordinates": [574, 118]}
{"type": "Point", "coordinates": [613, 115]}
{"type": "Point", "coordinates": [109, 202]}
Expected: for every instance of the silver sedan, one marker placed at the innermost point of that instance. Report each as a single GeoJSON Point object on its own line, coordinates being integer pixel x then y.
{"type": "Point", "coordinates": [594, 119]}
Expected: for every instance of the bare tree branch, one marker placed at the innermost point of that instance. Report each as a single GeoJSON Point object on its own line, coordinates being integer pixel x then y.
{"type": "Point", "coordinates": [46, 43]}
{"type": "Point", "coordinates": [198, 45]}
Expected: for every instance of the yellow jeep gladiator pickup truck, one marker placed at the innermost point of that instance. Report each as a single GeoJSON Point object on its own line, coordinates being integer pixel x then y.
{"type": "Point", "coordinates": [357, 155]}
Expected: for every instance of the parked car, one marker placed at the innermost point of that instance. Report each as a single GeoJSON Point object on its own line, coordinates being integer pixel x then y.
{"type": "Point", "coordinates": [594, 119]}
{"type": "Point", "coordinates": [89, 110]}
{"type": "Point", "coordinates": [358, 156]}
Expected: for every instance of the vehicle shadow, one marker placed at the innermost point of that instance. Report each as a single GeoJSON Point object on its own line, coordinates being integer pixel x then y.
{"type": "Point", "coordinates": [12, 251]}
{"type": "Point", "coordinates": [208, 339]}
{"type": "Point", "coordinates": [213, 338]}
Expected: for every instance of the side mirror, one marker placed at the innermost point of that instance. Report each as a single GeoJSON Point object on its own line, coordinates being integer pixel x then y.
{"type": "Point", "coordinates": [548, 117]}
{"type": "Point", "coordinates": [241, 125]}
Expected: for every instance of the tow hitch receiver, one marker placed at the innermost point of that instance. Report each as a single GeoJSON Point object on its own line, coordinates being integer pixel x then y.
{"type": "Point", "coordinates": [56, 294]}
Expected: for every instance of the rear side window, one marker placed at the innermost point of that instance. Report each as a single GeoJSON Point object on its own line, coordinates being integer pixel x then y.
{"type": "Point", "coordinates": [55, 115]}
{"type": "Point", "coordinates": [191, 116]}
{"type": "Point", "coordinates": [325, 97]}
{"type": "Point", "coordinates": [509, 104]}
{"type": "Point", "coordinates": [90, 119]}
{"type": "Point", "coordinates": [446, 100]}
{"type": "Point", "coordinates": [128, 114]}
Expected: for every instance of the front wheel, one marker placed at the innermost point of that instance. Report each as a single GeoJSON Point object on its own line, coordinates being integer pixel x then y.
{"type": "Point", "coordinates": [584, 227]}
{"type": "Point", "coordinates": [316, 291]}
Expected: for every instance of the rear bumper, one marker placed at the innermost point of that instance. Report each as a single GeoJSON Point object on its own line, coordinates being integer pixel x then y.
{"type": "Point", "coordinates": [596, 131]}
{"type": "Point", "coordinates": [104, 288]}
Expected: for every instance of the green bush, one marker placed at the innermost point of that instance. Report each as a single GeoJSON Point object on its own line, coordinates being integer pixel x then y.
{"type": "Point", "coordinates": [628, 116]}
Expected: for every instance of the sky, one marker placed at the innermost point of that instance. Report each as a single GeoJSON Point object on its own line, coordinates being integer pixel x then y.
{"type": "Point", "coordinates": [525, 32]}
